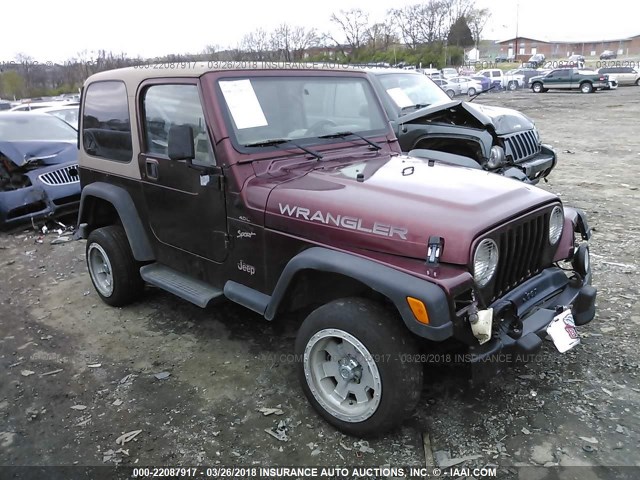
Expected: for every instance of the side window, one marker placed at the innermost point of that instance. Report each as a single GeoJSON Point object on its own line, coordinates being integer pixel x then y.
{"type": "Point", "coordinates": [167, 105]}
{"type": "Point", "coordinates": [106, 129]}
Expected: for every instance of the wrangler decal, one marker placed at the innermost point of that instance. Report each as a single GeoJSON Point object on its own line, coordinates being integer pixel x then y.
{"type": "Point", "coordinates": [351, 223]}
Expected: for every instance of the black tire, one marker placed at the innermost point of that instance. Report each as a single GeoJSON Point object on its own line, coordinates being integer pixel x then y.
{"type": "Point", "coordinates": [388, 344]}
{"type": "Point", "coordinates": [471, 92]}
{"type": "Point", "coordinates": [586, 87]}
{"type": "Point", "coordinates": [513, 85]}
{"type": "Point", "coordinates": [537, 87]}
{"type": "Point", "coordinates": [125, 281]}
{"type": "Point", "coordinates": [638, 82]}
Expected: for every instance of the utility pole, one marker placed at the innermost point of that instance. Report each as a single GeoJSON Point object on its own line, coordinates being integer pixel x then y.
{"type": "Point", "coordinates": [515, 52]}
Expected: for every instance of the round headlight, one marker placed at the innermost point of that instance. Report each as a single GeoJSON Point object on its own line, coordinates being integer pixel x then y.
{"type": "Point", "coordinates": [496, 157]}
{"type": "Point", "coordinates": [485, 261]}
{"type": "Point", "coordinates": [556, 223]}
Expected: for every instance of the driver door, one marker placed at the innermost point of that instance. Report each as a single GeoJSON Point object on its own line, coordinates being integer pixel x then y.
{"type": "Point", "coordinates": [186, 208]}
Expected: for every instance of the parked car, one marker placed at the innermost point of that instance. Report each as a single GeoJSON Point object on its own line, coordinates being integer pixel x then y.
{"type": "Point", "coordinates": [501, 79]}
{"type": "Point", "coordinates": [536, 60]}
{"type": "Point", "coordinates": [451, 89]}
{"type": "Point", "coordinates": [29, 106]}
{"type": "Point", "coordinates": [568, 79]}
{"type": "Point", "coordinates": [527, 73]}
{"type": "Point", "coordinates": [38, 167]}
{"type": "Point", "coordinates": [448, 73]}
{"type": "Point", "coordinates": [300, 198]}
{"type": "Point", "coordinates": [68, 113]}
{"type": "Point", "coordinates": [485, 82]}
{"type": "Point", "coordinates": [612, 81]}
{"type": "Point", "coordinates": [431, 72]}
{"type": "Point", "coordinates": [608, 55]}
{"type": "Point", "coordinates": [499, 140]}
{"type": "Point", "coordinates": [467, 85]}
{"type": "Point", "coordinates": [577, 60]}
{"type": "Point", "coordinates": [624, 75]}
{"type": "Point", "coordinates": [5, 105]}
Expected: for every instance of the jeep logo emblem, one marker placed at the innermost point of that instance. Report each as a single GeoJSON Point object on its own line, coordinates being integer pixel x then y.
{"type": "Point", "coordinates": [243, 267]}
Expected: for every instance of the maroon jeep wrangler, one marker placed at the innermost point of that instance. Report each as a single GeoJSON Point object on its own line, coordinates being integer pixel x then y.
{"type": "Point", "coordinates": [285, 188]}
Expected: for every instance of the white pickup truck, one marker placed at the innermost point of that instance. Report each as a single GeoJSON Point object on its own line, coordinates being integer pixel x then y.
{"type": "Point", "coordinates": [502, 80]}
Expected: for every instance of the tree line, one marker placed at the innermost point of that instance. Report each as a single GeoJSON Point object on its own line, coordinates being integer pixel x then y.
{"type": "Point", "coordinates": [432, 32]}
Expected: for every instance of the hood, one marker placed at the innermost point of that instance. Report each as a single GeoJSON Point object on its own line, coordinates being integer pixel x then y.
{"type": "Point", "coordinates": [394, 204]}
{"type": "Point", "coordinates": [39, 152]}
{"type": "Point", "coordinates": [502, 120]}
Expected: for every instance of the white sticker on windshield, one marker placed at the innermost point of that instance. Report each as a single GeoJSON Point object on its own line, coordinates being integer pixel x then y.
{"type": "Point", "coordinates": [401, 98]}
{"type": "Point", "coordinates": [243, 103]}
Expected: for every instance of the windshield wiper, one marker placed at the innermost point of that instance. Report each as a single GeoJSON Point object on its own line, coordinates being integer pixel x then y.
{"type": "Point", "coordinates": [415, 107]}
{"type": "Point", "coordinates": [274, 142]}
{"type": "Point", "coordinates": [374, 145]}
{"type": "Point", "coordinates": [481, 92]}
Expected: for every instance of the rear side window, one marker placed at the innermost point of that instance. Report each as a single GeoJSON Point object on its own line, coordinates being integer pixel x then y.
{"type": "Point", "coordinates": [106, 128]}
{"type": "Point", "coordinates": [166, 106]}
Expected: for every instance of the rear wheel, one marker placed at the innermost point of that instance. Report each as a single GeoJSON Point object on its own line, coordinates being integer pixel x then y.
{"type": "Point", "coordinates": [471, 91]}
{"type": "Point", "coordinates": [114, 272]}
{"type": "Point", "coordinates": [586, 87]}
{"type": "Point", "coordinates": [638, 82]}
{"type": "Point", "coordinates": [513, 85]}
{"type": "Point", "coordinates": [356, 367]}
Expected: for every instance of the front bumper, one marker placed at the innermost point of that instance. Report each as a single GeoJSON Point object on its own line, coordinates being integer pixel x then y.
{"type": "Point", "coordinates": [522, 316]}
{"type": "Point", "coordinates": [533, 169]}
{"type": "Point", "coordinates": [39, 200]}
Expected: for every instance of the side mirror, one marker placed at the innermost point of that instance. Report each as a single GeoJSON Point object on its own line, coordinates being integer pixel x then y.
{"type": "Point", "coordinates": [180, 143]}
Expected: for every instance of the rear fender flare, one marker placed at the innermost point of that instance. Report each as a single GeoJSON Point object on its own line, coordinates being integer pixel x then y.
{"type": "Point", "coordinates": [127, 211]}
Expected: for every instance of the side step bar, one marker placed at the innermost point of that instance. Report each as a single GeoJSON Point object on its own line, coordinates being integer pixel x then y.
{"type": "Point", "coordinates": [195, 291]}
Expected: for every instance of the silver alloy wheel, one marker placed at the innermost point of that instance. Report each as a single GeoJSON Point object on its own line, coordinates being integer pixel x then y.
{"type": "Point", "coordinates": [342, 375]}
{"type": "Point", "coordinates": [100, 269]}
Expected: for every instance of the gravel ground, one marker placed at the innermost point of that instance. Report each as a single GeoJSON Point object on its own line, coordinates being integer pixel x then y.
{"type": "Point", "coordinates": [77, 374]}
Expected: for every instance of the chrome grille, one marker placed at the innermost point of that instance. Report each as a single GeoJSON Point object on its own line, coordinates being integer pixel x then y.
{"type": "Point", "coordinates": [522, 145]}
{"type": "Point", "coordinates": [63, 176]}
{"type": "Point", "coordinates": [522, 246]}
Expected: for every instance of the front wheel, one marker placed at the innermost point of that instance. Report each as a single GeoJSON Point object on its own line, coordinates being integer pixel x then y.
{"type": "Point", "coordinates": [638, 82]}
{"type": "Point", "coordinates": [537, 87]}
{"type": "Point", "coordinates": [451, 93]}
{"type": "Point", "coordinates": [586, 87]}
{"type": "Point", "coordinates": [114, 272]}
{"type": "Point", "coordinates": [513, 86]}
{"type": "Point", "coordinates": [359, 367]}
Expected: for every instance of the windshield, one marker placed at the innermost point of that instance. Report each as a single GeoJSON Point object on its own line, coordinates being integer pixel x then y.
{"type": "Point", "coordinates": [410, 89]}
{"type": "Point", "coordinates": [263, 109]}
{"type": "Point", "coordinates": [26, 127]}
{"type": "Point", "coordinates": [69, 115]}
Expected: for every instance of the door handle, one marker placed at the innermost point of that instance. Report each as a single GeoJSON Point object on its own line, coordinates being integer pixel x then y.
{"type": "Point", "coordinates": [151, 168]}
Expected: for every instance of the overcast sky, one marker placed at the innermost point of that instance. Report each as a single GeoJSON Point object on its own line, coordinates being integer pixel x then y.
{"type": "Point", "coordinates": [56, 31]}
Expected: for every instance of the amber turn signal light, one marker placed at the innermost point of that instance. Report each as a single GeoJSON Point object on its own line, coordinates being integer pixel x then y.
{"type": "Point", "coordinates": [419, 310]}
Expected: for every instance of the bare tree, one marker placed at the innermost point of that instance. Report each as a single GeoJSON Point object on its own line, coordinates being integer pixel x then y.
{"type": "Point", "coordinates": [380, 36]}
{"type": "Point", "coordinates": [407, 21]}
{"type": "Point", "coordinates": [256, 44]}
{"type": "Point", "coordinates": [289, 43]}
{"type": "Point", "coordinates": [354, 25]}
{"type": "Point", "coordinates": [477, 19]}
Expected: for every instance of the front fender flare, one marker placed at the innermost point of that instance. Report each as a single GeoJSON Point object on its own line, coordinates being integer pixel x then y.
{"type": "Point", "coordinates": [391, 283]}
{"type": "Point", "coordinates": [128, 213]}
